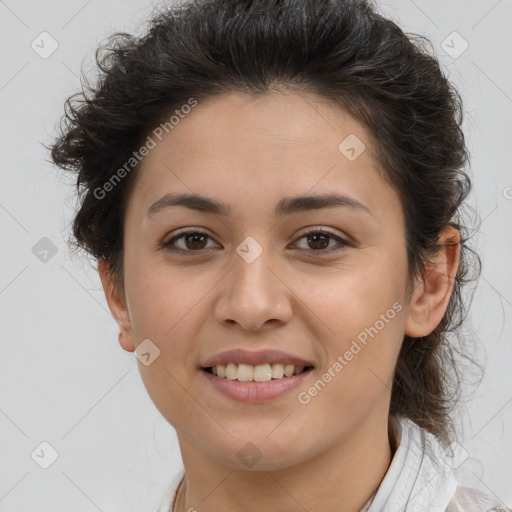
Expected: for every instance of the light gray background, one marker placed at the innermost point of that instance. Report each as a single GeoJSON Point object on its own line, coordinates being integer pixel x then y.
{"type": "Point", "coordinates": [65, 380]}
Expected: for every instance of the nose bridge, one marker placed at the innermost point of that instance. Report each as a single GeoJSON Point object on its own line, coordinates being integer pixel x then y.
{"type": "Point", "coordinates": [254, 293]}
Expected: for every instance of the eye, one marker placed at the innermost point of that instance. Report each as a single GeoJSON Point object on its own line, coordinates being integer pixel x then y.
{"type": "Point", "coordinates": [195, 241]}
{"type": "Point", "coordinates": [318, 241]}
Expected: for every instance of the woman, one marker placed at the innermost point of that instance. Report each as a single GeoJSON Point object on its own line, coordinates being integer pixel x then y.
{"type": "Point", "coordinates": [272, 190]}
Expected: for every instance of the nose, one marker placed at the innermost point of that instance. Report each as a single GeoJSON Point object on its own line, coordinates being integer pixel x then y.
{"type": "Point", "coordinates": [254, 295]}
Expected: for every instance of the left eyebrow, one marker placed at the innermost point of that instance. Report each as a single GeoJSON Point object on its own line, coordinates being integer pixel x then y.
{"type": "Point", "coordinates": [285, 206]}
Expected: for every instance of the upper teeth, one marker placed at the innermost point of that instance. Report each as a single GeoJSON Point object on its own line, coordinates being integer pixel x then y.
{"type": "Point", "coordinates": [258, 373]}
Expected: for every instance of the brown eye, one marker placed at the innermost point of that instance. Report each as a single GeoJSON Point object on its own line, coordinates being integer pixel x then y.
{"type": "Point", "coordinates": [192, 241]}
{"type": "Point", "coordinates": [195, 241]}
{"type": "Point", "coordinates": [317, 241]}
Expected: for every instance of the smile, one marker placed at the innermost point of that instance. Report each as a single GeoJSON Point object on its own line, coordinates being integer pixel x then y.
{"type": "Point", "coordinates": [251, 391]}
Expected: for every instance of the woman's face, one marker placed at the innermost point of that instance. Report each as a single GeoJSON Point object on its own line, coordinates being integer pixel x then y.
{"type": "Point", "coordinates": [253, 281]}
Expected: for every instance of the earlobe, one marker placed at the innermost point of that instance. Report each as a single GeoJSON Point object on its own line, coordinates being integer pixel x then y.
{"type": "Point", "coordinates": [431, 295]}
{"type": "Point", "coordinates": [117, 306]}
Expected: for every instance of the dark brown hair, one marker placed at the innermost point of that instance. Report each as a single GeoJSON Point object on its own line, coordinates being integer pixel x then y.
{"type": "Point", "coordinates": [341, 50]}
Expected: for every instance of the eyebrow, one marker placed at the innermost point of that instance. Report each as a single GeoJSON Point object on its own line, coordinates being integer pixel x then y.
{"type": "Point", "coordinates": [285, 206]}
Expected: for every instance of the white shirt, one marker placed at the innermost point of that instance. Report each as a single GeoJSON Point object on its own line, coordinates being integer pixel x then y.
{"type": "Point", "coordinates": [420, 478]}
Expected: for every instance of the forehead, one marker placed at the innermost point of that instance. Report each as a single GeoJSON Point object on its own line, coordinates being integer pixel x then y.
{"type": "Point", "coordinates": [260, 148]}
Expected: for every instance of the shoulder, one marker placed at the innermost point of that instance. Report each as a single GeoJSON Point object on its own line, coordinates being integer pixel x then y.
{"type": "Point", "coordinates": [467, 499]}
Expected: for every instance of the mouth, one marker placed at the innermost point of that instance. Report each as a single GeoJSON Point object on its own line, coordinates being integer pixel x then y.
{"type": "Point", "coordinates": [265, 372]}
{"type": "Point", "coordinates": [255, 384]}
{"type": "Point", "coordinates": [254, 376]}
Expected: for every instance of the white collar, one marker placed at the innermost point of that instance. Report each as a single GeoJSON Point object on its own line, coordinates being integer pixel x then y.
{"type": "Point", "coordinates": [419, 478]}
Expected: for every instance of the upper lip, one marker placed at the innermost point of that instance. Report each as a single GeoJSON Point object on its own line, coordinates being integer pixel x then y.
{"type": "Point", "coordinates": [254, 358]}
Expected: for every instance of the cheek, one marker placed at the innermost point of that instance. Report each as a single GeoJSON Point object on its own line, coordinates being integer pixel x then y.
{"type": "Point", "coordinates": [160, 308]}
{"type": "Point", "coordinates": [160, 296]}
{"type": "Point", "coordinates": [359, 312]}
{"type": "Point", "coordinates": [350, 298]}
{"type": "Point", "coordinates": [357, 378]}
{"type": "Point", "coordinates": [163, 319]}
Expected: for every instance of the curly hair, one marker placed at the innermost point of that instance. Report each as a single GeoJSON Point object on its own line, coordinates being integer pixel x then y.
{"type": "Point", "coordinates": [341, 50]}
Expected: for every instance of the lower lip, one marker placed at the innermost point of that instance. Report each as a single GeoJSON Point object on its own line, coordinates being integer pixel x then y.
{"type": "Point", "coordinates": [255, 392]}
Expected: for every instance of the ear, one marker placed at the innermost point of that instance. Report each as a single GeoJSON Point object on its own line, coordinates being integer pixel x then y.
{"type": "Point", "coordinates": [432, 293]}
{"type": "Point", "coordinates": [117, 305]}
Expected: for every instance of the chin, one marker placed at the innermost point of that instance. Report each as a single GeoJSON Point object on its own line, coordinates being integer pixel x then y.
{"type": "Point", "coordinates": [262, 449]}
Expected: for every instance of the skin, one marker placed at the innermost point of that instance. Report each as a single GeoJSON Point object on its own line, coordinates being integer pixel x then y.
{"type": "Point", "coordinates": [250, 152]}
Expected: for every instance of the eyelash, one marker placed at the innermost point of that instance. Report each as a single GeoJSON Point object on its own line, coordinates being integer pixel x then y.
{"type": "Point", "coordinates": [342, 243]}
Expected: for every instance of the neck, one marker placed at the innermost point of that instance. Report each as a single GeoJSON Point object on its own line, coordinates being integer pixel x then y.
{"type": "Point", "coordinates": [343, 477]}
